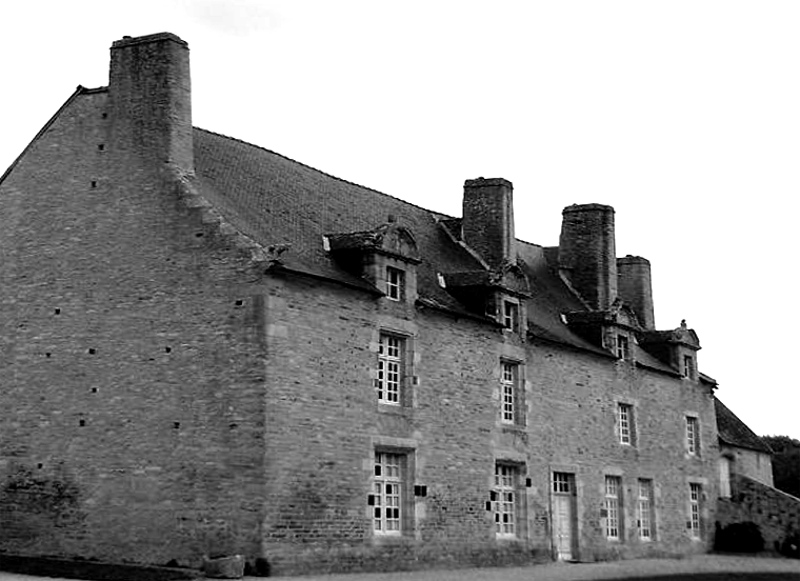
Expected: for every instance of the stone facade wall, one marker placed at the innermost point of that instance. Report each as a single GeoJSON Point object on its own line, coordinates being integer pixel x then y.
{"type": "Point", "coordinates": [169, 402]}
{"type": "Point", "coordinates": [132, 361]}
{"type": "Point", "coordinates": [776, 513]}
{"type": "Point", "coordinates": [319, 469]}
{"type": "Point", "coordinates": [750, 463]}
{"type": "Point", "coordinates": [573, 404]}
{"type": "Point", "coordinates": [323, 346]}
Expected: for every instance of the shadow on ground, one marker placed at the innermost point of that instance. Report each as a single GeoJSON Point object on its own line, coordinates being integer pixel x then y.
{"type": "Point", "coordinates": [91, 570]}
{"type": "Point", "coordinates": [749, 576]}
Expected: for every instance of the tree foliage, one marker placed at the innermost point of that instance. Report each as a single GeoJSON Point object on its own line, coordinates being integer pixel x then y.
{"type": "Point", "coordinates": [785, 463]}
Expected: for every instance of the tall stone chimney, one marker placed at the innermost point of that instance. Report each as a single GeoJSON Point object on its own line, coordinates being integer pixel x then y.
{"type": "Point", "coordinates": [150, 96]}
{"type": "Point", "coordinates": [587, 253]}
{"type": "Point", "coordinates": [635, 288]}
{"type": "Point", "coordinates": [488, 219]}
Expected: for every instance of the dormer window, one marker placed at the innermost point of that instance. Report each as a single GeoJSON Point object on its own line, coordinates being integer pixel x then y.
{"type": "Point", "coordinates": [688, 366]}
{"type": "Point", "coordinates": [395, 283]}
{"type": "Point", "coordinates": [623, 347]}
{"type": "Point", "coordinates": [510, 315]}
{"type": "Point", "coordinates": [386, 256]}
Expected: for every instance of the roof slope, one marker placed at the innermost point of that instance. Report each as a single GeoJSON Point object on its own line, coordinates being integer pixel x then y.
{"type": "Point", "coordinates": [734, 432]}
{"type": "Point", "coordinates": [278, 201]}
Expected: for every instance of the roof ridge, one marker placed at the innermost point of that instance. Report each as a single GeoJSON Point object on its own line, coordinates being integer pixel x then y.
{"type": "Point", "coordinates": [437, 215]}
{"type": "Point", "coordinates": [79, 90]}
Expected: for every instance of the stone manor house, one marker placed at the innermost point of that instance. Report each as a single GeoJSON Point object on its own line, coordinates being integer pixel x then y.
{"type": "Point", "coordinates": [210, 349]}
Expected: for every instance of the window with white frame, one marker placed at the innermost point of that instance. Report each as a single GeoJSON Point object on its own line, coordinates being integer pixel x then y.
{"type": "Point", "coordinates": [725, 476]}
{"type": "Point", "coordinates": [389, 382]}
{"type": "Point", "coordinates": [395, 283]}
{"type": "Point", "coordinates": [511, 315]}
{"type": "Point", "coordinates": [623, 347]}
{"type": "Point", "coordinates": [504, 499]}
{"type": "Point", "coordinates": [695, 501]}
{"type": "Point", "coordinates": [692, 436]}
{"type": "Point", "coordinates": [510, 393]}
{"type": "Point", "coordinates": [625, 424]}
{"type": "Point", "coordinates": [563, 483]}
{"type": "Point", "coordinates": [646, 510]}
{"type": "Point", "coordinates": [688, 366]}
{"type": "Point", "coordinates": [613, 503]}
{"type": "Point", "coordinates": [387, 498]}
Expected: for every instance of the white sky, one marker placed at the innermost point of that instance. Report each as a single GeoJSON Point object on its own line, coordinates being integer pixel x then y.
{"type": "Point", "coordinates": [683, 115]}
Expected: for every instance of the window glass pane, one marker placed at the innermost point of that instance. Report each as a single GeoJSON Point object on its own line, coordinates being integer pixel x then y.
{"type": "Point", "coordinates": [509, 385]}
{"type": "Point", "coordinates": [503, 505]}
{"type": "Point", "coordinates": [695, 498]}
{"type": "Point", "coordinates": [389, 379]}
{"type": "Point", "coordinates": [395, 283]}
{"type": "Point", "coordinates": [692, 435]}
{"type": "Point", "coordinates": [612, 506]}
{"type": "Point", "coordinates": [645, 510]}
{"type": "Point", "coordinates": [388, 492]}
{"type": "Point", "coordinates": [625, 422]}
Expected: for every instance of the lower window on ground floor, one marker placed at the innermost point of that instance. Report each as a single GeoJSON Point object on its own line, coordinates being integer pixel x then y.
{"type": "Point", "coordinates": [505, 502]}
{"type": "Point", "coordinates": [613, 504]}
{"type": "Point", "coordinates": [388, 496]}
{"type": "Point", "coordinates": [694, 523]}
{"type": "Point", "coordinates": [645, 517]}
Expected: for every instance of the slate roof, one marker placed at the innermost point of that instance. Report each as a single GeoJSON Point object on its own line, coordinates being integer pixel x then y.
{"type": "Point", "coordinates": [734, 432]}
{"type": "Point", "coordinates": [278, 201]}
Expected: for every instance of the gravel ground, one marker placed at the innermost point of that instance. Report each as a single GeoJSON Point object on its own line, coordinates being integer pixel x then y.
{"type": "Point", "coordinates": [630, 569]}
{"type": "Point", "coordinates": [633, 569]}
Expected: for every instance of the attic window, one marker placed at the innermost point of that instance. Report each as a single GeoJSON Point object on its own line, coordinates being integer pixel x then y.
{"type": "Point", "coordinates": [623, 347]}
{"type": "Point", "coordinates": [395, 283]}
{"type": "Point", "coordinates": [688, 366]}
{"type": "Point", "coordinates": [510, 315]}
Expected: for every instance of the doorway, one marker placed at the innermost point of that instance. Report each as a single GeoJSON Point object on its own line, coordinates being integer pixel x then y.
{"type": "Point", "coordinates": [565, 521]}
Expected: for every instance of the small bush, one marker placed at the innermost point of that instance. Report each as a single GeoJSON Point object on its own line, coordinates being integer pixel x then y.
{"type": "Point", "coordinates": [740, 537]}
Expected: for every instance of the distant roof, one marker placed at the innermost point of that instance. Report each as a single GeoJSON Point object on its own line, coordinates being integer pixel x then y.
{"type": "Point", "coordinates": [734, 432]}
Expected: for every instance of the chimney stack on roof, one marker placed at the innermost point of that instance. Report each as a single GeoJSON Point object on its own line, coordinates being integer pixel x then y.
{"type": "Point", "coordinates": [488, 220]}
{"type": "Point", "coordinates": [587, 253]}
{"type": "Point", "coordinates": [635, 288]}
{"type": "Point", "coordinates": [150, 95]}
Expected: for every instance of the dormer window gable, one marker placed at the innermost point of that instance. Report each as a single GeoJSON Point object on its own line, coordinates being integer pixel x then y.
{"type": "Point", "coordinates": [499, 295]}
{"type": "Point", "coordinates": [677, 348]}
{"type": "Point", "coordinates": [615, 329]}
{"type": "Point", "coordinates": [386, 256]}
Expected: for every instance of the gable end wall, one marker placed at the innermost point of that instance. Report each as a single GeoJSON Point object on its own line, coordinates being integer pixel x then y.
{"type": "Point", "coordinates": [133, 352]}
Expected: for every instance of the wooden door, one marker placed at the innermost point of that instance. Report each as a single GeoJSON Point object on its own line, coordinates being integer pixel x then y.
{"type": "Point", "coordinates": [564, 516]}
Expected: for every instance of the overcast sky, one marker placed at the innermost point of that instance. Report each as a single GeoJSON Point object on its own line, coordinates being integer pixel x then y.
{"type": "Point", "coordinates": [683, 115]}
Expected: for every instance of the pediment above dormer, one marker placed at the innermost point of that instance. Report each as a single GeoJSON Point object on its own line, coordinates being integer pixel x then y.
{"type": "Point", "coordinates": [679, 336]}
{"type": "Point", "coordinates": [623, 315]}
{"type": "Point", "coordinates": [619, 315]}
{"type": "Point", "coordinates": [509, 278]}
{"type": "Point", "coordinates": [389, 238]}
{"type": "Point", "coordinates": [386, 256]}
